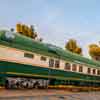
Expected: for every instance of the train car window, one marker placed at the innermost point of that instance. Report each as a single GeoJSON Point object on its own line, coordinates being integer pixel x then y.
{"type": "Point", "coordinates": [57, 63]}
{"type": "Point", "coordinates": [80, 68]}
{"type": "Point", "coordinates": [67, 66]}
{"type": "Point", "coordinates": [74, 67]}
{"type": "Point", "coordinates": [43, 58]}
{"type": "Point", "coordinates": [28, 55]}
{"type": "Point", "coordinates": [98, 72]}
{"type": "Point", "coordinates": [94, 71]}
{"type": "Point", "coordinates": [89, 70]}
{"type": "Point", "coordinates": [51, 63]}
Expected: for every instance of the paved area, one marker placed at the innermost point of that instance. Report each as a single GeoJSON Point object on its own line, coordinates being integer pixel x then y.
{"type": "Point", "coordinates": [47, 95]}
{"type": "Point", "coordinates": [34, 92]}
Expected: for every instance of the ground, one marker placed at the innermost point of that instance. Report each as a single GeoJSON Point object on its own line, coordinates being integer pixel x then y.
{"type": "Point", "coordinates": [47, 95]}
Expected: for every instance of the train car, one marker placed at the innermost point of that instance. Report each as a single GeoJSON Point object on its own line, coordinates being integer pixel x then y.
{"type": "Point", "coordinates": [27, 63]}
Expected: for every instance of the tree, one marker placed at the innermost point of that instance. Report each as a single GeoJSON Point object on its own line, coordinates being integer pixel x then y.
{"type": "Point", "coordinates": [72, 46]}
{"type": "Point", "coordinates": [94, 51]}
{"type": "Point", "coordinates": [93, 45]}
{"type": "Point", "coordinates": [26, 30]}
{"type": "Point", "coordinates": [78, 50]}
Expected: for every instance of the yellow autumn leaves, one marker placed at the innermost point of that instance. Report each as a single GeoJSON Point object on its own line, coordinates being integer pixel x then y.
{"type": "Point", "coordinates": [94, 50]}
{"type": "Point", "coordinates": [72, 46]}
{"type": "Point", "coordinates": [26, 30]}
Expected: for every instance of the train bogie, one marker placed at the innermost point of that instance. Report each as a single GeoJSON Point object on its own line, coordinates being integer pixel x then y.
{"type": "Point", "coordinates": [27, 83]}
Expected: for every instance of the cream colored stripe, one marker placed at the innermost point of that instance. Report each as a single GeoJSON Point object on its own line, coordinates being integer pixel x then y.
{"type": "Point", "coordinates": [20, 62]}
{"type": "Point", "coordinates": [10, 59]}
{"type": "Point", "coordinates": [28, 63]}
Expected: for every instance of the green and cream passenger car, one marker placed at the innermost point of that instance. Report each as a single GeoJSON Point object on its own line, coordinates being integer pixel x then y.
{"type": "Point", "coordinates": [25, 63]}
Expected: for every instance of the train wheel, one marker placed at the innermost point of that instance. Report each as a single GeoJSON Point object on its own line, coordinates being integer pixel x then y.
{"type": "Point", "coordinates": [45, 87]}
{"type": "Point", "coordinates": [7, 84]}
{"type": "Point", "coordinates": [36, 85]}
{"type": "Point", "coordinates": [27, 86]}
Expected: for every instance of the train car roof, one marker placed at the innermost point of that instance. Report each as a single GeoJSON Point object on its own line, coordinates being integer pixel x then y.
{"type": "Point", "coordinates": [19, 41]}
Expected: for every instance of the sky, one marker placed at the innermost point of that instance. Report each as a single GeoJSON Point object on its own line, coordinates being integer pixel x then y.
{"type": "Point", "coordinates": [56, 21]}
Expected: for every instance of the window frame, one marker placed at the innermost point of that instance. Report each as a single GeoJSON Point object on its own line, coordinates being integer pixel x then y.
{"type": "Point", "coordinates": [51, 62]}
{"type": "Point", "coordinates": [74, 68]}
{"type": "Point", "coordinates": [57, 63]}
{"type": "Point", "coordinates": [28, 55]}
{"type": "Point", "coordinates": [94, 71]}
{"type": "Point", "coordinates": [98, 72]}
{"type": "Point", "coordinates": [67, 67]}
{"type": "Point", "coordinates": [80, 68]}
{"type": "Point", "coordinates": [89, 70]}
{"type": "Point", "coordinates": [43, 58]}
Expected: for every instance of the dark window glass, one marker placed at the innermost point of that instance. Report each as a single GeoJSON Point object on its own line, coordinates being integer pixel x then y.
{"type": "Point", "coordinates": [57, 63]}
{"type": "Point", "coordinates": [51, 62]}
{"type": "Point", "coordinates": [98, 72]}
{"type": "Point", "coordinates": [80, 68]}
{"type": "Point", "coordinates": [43, 58]}
{"type": "Point", "coordinates": [94, 71]}
{"type": "Point", "coordinates": [67, 66]}
{"type": "Point", "coordinates": [28, 55]}
{"type": "Point", "coordinates": [89, 70]}
{"type": "Point", "coordinates": [74, 67]}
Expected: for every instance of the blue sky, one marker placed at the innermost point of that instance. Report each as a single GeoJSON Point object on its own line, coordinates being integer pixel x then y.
{"type": "Point", "coordinates": [55, 20]}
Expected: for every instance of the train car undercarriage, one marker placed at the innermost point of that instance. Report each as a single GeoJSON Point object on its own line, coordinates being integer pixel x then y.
{"type": "Point", "coordinates": [30, 83]}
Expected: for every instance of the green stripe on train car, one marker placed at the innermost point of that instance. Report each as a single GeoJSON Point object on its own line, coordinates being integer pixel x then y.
{"type": "Point", "coordinates": [16, 69]}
